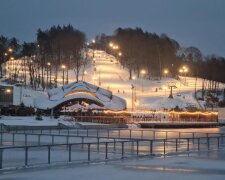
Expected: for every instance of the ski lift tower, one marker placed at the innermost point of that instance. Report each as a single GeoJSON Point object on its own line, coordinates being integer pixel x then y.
{"type": "Point", "coordinates": [171, 86]}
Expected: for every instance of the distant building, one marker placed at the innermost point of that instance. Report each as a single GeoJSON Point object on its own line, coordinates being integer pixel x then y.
{"type": "Point", "coordinates": [80, 95]}
{"type": "Point", "coordinates": [6, 96]}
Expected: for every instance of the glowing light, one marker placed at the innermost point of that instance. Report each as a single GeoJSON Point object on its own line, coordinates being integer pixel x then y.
{"type": "Point", "coordinates": [143, 71]}
{"type": "Point", "coordinates": [63, 66]}
{"type": "Point", "coordinates": [133, 77]}
{"type": "Point", "coordinates": [165, 71]}
{"type": "Point", "coordinates": [10, 50]}
{"type": "Point", "coordinates": [5, 54]}
{"type": "Point", "coordinates": [85, 72]}
{"type": "Point", "coordinates": [120, 54]}
{"type": "Point", "coordinates": [8, 91]}
{"type": "Point", "coordinates": [79, 92]}
{"type": "Point", "coordinates": [12, 58]}
{"type": "Point", "coordinates": [49, 64]}
{"type": "Point", "coordinates": [111, 44]}
{"type": "Point", "coordinates": [93, 41]}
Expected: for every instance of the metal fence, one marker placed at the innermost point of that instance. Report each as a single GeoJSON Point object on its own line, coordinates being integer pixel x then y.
{"type": "Point", "coordinates": [124, 133]}
{"type": "Point", "coordinates": [33, 155]}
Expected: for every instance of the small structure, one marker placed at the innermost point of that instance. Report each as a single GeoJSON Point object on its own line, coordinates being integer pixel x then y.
{"type": "Point", "coordinates": [78, 96]}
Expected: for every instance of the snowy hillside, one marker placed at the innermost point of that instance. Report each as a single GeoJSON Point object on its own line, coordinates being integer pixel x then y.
{"type": "Point", "coordinates": [105, 71]}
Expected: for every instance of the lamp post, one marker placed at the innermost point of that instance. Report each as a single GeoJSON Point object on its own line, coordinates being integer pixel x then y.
{"type": "Point", "coordinates": [165, 72]}
{"type": "Point", "coordinates": [184, 71]}
{"type": "Point", "coordinates": [63, 68]}
{"type": "Point", "coordinates": [143, 72]}
{"type": "Point", "coordinates": [85, 73]}
{"type": "Point", "coordinates": [50, 73]}
{"type": "Point", "coordinates": [132, 97]}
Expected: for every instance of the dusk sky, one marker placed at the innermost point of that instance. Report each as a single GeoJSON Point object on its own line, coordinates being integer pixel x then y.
{"type": "Point", "coordinates": [197, 23]}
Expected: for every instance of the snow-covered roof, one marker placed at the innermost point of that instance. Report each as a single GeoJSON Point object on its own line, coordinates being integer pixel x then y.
{"type": "Point", "coordinates": [81, 90]}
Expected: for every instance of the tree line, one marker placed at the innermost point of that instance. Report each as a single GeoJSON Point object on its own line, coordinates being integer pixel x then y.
{"type": "Point", "coordinates": [60, 48]}
{"type": "Point", "coordinates": [65, 45]}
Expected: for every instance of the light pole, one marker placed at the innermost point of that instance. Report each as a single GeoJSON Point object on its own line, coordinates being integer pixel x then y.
{"type": "Point", "coordinates": [165, 72]}
{"type": "Point", "coordinates": [132, 96]}
{"type": "Point", "coordinates": [63, 68]}
{"type": "Point", "coordinates": [184, 71]}
{"type": "Point", "coordinates": [50, 72]}
{"type": "Point", "coordinates": [143, 72]}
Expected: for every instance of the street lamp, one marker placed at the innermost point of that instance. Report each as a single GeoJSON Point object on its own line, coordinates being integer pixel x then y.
{"type": "Point", "coordinates": [132, 100]}
{"type": "Point", "coordinates": [184, 71]}
{"type": "Point", "coordinates": [63, 68]}
{"type": "Point", "coordinates": [120, 54]}
{"type": "Point", "coordinates": [93, 41]}
{"type": "Point", "coordinates": [165, 72]}
{"type": "Point", "coordinates": [85, 73]}
{"type": "Point", "coordinates": [143, 72]}
{"type": "Point", "coordinates": [49, 69]}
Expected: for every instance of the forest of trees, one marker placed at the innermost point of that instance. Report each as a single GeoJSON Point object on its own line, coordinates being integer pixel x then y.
{"type": "Point", "coordinates": [154, 53]}
{"type": "Point", "coordinates": [55, 48]}
{"type": "Point", "coordinates": [65, 45]}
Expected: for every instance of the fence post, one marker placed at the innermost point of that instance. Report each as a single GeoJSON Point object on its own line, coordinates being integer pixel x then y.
{"type": "Point", "coordinates": [1, 137]}
{"type": "Point", "coordinates": [137, 147]}
{"type": "Point", "coordinates": [13, 140]}
{"type": "Point", "coordinates": [108, 132]}
{"type": "Point", "coordinates": [198, 144]}
{"type": "Point", "coordinates": [39, 139]}
{"type": "Point", "coordinates": [82, 141]}
{"type": "Point", "coordinates": [98, 144]}
{"type": "Point", "coordinates": [69, 152]}
{"type": "Point", "coordinates": [193, 137]}
{"type": "Point", "coordinates": [130, 133]}
{"type": "Point", "coordinates": [97, 133]}
{"type": "Point", "coordinates": [67, 140]}
{"type": "Point", "coordinates": [119, 133]}
{"type": "Point", "coordinates": [218, 142]}
{"type": "Point", "coordinates": [49, 154]}
{"type": "Point", "coordinates": [1, 158]}
{"type": "Point", "coordinates": [106, 150]}
{"type": "Point", "coordinates": [122, 150]}
{"type": "Point", "coordinates": [179, 137]}
{"type": "Point", "coordinates": [164, 146]}
{"type": "Point", "coordinates": [114, 145]}
{"type": "Point", "coordinates": [53, 139]}
{"type": "Point", "coordinates": [26, 156]}
{"type": "Point", "coordinates": [142, 134]}
{"type": "Point", "coordinates": [25, 139]}
{"type": "Point", "coordinates": [208, 142]}
{"type": "Point", "coordinates": [151, 148]}
{"type": "Point", "coordinates": [87, 132]}
{"type": "Point", "coordinates": [154, 135]}
{"type": "Point", "coordinates": [166, 134]}
{"type": "Point", "coordinates": [89, 152]}
{"type": "Point", "coordinates": [176, 145]}
{"type": "Point", "coordinates": [188, 144]}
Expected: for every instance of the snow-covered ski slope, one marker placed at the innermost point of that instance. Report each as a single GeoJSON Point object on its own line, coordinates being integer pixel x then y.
{"type": "Point", "coordinates": [105, 71]}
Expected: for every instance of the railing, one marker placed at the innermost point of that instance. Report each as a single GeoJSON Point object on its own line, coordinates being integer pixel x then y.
{"type": "Point", "coordinates": [34, 155]}
{"type": "Point", "coordinates": [124, 133]}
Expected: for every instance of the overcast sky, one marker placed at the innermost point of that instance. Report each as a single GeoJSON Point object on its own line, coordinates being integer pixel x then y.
{"type": "Point", "coordinates": [199, 23]}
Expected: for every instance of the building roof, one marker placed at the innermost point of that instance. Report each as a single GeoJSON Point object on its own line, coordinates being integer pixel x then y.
{"type": "Point", "coordinates": [81, 90]}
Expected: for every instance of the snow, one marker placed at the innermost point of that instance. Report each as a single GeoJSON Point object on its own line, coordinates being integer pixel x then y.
{"type": "Point", "coordinates": [31, 121]}
{"type": "Point", "coordinates": [106, 72]}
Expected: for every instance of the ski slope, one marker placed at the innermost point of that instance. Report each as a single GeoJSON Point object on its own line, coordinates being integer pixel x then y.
{"type": "Point", "coordinates": [104, 70]}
